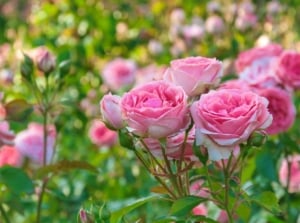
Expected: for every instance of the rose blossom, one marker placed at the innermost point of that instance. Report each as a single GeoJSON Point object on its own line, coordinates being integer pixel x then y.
{"type": "Point", "coordinates": [214, 24]}
{"type": "Point", "coordinates": [281, 107]}
{"type": "Point", "coordinates": [193, 32]}
{"type": "Point", "coordinates": [200, 210]}
{"type": "Point", "coordinates": [226, 118]}
{"type": "Point", "coordinates": [294, 184]}
{"type": "Point", "coordinates": [287, 69]}
{"type": "Point", "coordinates": [6, 136]}
{"type": "Point", "coordinates": [119, 73]}
{"type": "Point", "coordinates": [194, 74]}
{"type": "Point", "coordinates": [10, 156]}
{"type": "Point", "coordinates": [101, 135]}
{"type": "Point", "coordinates": [267, 53]}
{"type": "Point", "coordinates": [30, 142]}
{"type": "Point", "coordinates": [155, 110]}
{"type": "Point", "coordinates": [111, 111]}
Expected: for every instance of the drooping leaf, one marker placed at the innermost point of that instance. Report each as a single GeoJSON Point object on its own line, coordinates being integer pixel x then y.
{"type": "Point", "coordinates": [63, 166]}
{"type": "Point", "coordinates": [16, 180]}
{"type": "Point", "coordinates": [18, 110]}
{"type": "Point", "coordinates": [117, 216]}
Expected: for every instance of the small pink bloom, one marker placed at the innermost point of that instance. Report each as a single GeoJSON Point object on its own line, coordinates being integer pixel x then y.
{"type": "Point", "coordinates": [287, 69]}
{"type": "Point", "coordinates": [100, 135]}
{"type": "Point", "coordinates": [30, 142]}
{"type": "Point", "coordinates": [274, 7]}
{"type": "Point", "coordinates": [213, 6]}
{"type": "Point", "coordinates": [226, 118]}
{"type": "Point", "coordinates": [177, 16]}
{"type": "Point", "coordinates": [111, 111]}
{"type": "Point", "coordinates": [6, 77]}
{"type": "Point", "coordinates": [281, 107]}
{"type": "Point", "coordinates": [119, 73]}
{"type": "Point", "coordinates": [9, 155]}
{"type": "Point", "coordinates": [193, 32]}
{"type": "Point", "coordinates": [214, 24]}
{"type": "Point", "coordinates": [200, 210]}
{"type": "Point", "coordinates": [149, 73]}
{"type": "Point", "coordinates": [194, 74]}
{"type": "Point", "coordinates": [6, 136]}
{"type": "Point", "coordinates": [44, 59]}
{"type": "Point", "coordinates": [245, 21]}
{"type": "Point", "coordinates": [157, 109]}
{"type": "Point", "coordinates": [294, 185]}
{"type": "Point", "coordinates": [155, 47]}
{"type": "Point", "coordinates": [267, 54]}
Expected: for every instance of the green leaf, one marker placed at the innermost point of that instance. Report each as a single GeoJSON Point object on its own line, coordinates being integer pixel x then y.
{"type": "Point", "coordinates": [125, 139]}
{"type": "Point", "coordinates": [117, 216]}
{"type": "Point", "coordinates": [16, 180]}
{"type": "Point", "coordinates": [243, 211]}
{"type": "Point", "coordinates": [266, 166]}
{"type": "Point", "coordinates": [201, 218]}
{"type": "Point", "coordinates": [18, 110]}
{"type": "Point", "coordinates": [197, 151]}
{"type": "Point", "coordinates": [183, 206]}
{"type": "Point", "coordinates": [63, 166]}
{"type": "Point", "coordinates": [267, 200]}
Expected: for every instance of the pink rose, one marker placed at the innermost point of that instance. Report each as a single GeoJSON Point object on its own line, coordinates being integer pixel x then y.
{"type": "Point", "coordinates": [214, 24]}
{"type": "Point", "coordinates": [281, 107]}
{"type": "Point", "coordinates": [174, 146]}
{"type": "Point", "coordinates": [294, 184]}
{"type": "Point", "coordinates": [245, 21]}
{"type": "Point", "coordinates": [100, 135]}
{"type": "Point", "coordinates": [266, 53]}
{"type": "Point", "coordinates": [44, 60]}
{"type": "Point", "coordinates": [288, 69]}
{"type": "Point", "coordinates": [30, 142]}
{"type": "Point", "coordinates": [157, 109]}
{"type": "Point", "coordinates": [10, 156]}
{"type": "Point", "coordinates": [111, 111]}
{"type": "Point", "coordinates": [235, 84]}
{"type": "Point", "coordinates": [226, 118]}
{"type": "Point", "coordinates": [6, 136]}
{"type": "Point", "coordinates": [200, 210]}
{"type": "Point", "coordinates": [119, 73]}
{"type": "Point", "coordinates": [193, 32]}
{"type": "Point", "coordinates": [194, 74]}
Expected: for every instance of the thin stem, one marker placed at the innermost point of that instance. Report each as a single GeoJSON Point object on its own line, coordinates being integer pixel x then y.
{"type": "Point", "coordinates": [40, 200]}
{"type": "Point", "coordinates": [3, 213]}
{"type": "Point", "coordinates": [226, 192]}
{"type": "Point", "coordinates": [287, 194]}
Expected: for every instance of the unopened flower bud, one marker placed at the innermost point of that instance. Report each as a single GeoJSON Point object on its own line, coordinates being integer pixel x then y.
{"type": "Point", "coordinates": [84, 217]}
{"type": "Point", "coordinates": [257, 139]}
{"type": "Point", "coordinates": [27, 67]}
{"type": "Point", "coordinates": [45, 61]}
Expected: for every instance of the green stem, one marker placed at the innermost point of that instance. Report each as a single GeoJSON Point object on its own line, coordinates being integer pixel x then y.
{"type": "Point", "coordinates": [227, 186]}
{"type": "Point", "coordinates": [3, 213]}
{"type": "Point", "coordinates": [40, 200]}
{"type": "Point", "coordinates": [287, 194]}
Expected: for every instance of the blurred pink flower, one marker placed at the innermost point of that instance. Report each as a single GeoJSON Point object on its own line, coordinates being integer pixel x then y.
{"type": "Point", "coordinates": [9, 155]}
{"type": "Point", "coordinates": [6, 136]}
{"type": "Point", "coordinates": [6, 77]}
{"type": "Point", "coordinates": [30, 142]}
{"type": "Point", "coordinates": [119, 73]}
{"type": "Point", "coordinates": [177, 16]}
{"type": "Point", "coordinates": [245, 21]}
{"type": "Point", "coordinates": [214, 24]}
{"type": "Point", "coordinates": [100, 135]}
{"type": "Point", "coordinates": [193, 32]}
{"type": "Point", "coordinates": [294, 184]}
{"type": "Point", "coordinates": [200, 210]}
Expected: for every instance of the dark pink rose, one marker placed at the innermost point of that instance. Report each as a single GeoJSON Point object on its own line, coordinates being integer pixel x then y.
{"type": "Point", "coordinates": [294, 185]}
{"type": "Point", "coordinates": [194, 74]}
{"type": "Point", "coordinates": [226, 118]}
{"type": "Point", "coordinates": [119, 73]}
{"type": "Point", "coordinates": [9, 155]}
{"type": "Point", "coordinates": [30, 142]}
{"type": "Point", "coordinates": [100, 135]}
{"type": "Point", "coordinates": [287, 69]}
{"type": "Point", "coordinates": [266, 53]}
{"type": "Point", "coordinates": [156, 110]}
{"type": "Point", "coordinates": [281, 107]}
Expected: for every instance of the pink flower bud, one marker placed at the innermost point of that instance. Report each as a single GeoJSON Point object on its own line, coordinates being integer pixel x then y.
{"type": "Point", "coordinates": [111, 111]}
{"type": "Point", "coordinates": [45, 60]}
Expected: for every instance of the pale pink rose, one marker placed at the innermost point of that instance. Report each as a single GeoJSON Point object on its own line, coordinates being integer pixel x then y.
{"type": "Point", "coordinates": [9, 155]}
{"type": "Point", "coordinates": [266, 53]}
{"type": "Point", "coordinates": [200, 210]}
{"type": "Point", "coordinates": [194, 74]}
{"type": "Point", "coordinates": [287, 69]}
{"type": "Point", "coordinates": [30, 142]}
{"type": "Point", "coordinates": [111, 111]}
{"type": "Point", "coordinates": [214, 24]}
{"type": "Point", "coordinates": [281, 107]}
{"type": "Point", "coordinates": [6, 77]}
{"type": "Point", "coordinates": [177, 16]}
{"type": "Point", "coordinates": [157, 109]}
{"type": "Point", "coordinates": [155, 47]}
{"type": "Point", "coordinates": [6, 136]}
{"type": "Point", "coordinates": [226, 118]}
{"type": "Point", "coordinates": [119, 73]}
{"type": "Point", "coordinates": [100, 135]}
{"type": "Point", "coordinates": [44, 60]}
{"type": "Point", "coordinates": [149, 73]}
{"type": "Point", "coordinates": [174, 146]}
{"type": "Point", "coordinates": [193, 32]}
{"type": "Point", "coordinates": [294, 185]}
{"type": "Point", "coordinates": [245, 21]}
{"type": "Point", "coordinates": [213, 6]}
{"type": "Point", "coordinates": [246, 7]}
{"type": "Point", "coordinates": [235, 84]}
